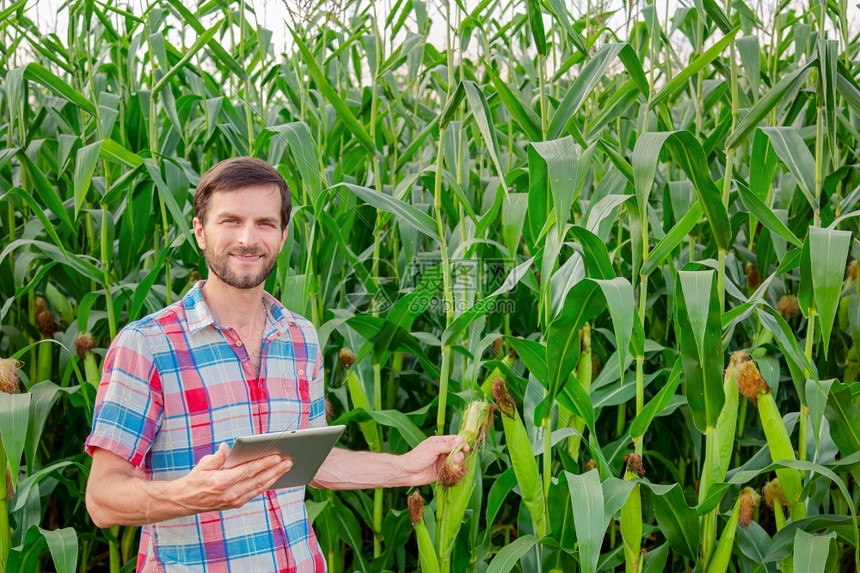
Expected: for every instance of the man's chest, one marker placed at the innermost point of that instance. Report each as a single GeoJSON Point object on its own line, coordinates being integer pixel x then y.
{"type": "Point", "coordinates": [212, 391]}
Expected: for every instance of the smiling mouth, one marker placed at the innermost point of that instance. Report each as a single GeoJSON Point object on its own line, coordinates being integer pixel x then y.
{"type": "Point", "coordinates": [246, 258]}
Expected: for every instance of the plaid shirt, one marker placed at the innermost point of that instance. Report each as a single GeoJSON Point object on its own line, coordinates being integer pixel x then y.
{"type": "Point", "coordinates": [175, 385]}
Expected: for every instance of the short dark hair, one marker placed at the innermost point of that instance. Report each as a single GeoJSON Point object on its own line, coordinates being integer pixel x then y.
{"type": "Point", "coordinates": [237, 173]}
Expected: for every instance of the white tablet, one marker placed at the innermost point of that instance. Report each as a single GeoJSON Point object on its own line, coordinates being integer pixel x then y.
{"type": "Point", "coordinates": [307, 448]}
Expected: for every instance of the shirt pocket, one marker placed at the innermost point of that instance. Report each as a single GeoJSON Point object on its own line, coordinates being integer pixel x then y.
{"type": "Point", "coordinates": [288, 385]}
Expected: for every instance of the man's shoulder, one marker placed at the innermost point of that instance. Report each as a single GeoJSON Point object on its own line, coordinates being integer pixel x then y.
{"type": "Point", "coordinates": [155, 324]}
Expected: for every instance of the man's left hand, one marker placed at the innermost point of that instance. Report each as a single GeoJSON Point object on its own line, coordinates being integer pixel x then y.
{"type": "Point", "coordinates": [424, 462]}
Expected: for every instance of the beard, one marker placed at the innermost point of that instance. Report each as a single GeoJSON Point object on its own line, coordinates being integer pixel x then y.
{"type": "Point", "coordinates": [218, 264]}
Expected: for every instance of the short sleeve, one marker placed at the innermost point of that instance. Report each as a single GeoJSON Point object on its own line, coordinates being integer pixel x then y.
{"type": "Point", "coordinates": [129, 402]}
{"type": "Point", "coordinates": [316, 419]}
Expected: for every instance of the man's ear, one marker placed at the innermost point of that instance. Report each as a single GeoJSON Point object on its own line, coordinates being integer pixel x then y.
{"type": "Point", "coordinates": [284, 235]}
{"type": "Point", "coordinates": [198, 233]}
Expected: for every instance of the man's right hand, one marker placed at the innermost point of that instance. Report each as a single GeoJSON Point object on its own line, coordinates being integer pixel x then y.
{"type": "Point", "coordinates": [210, 487]}
{"type": "Point", "coordinates": [117, 495]}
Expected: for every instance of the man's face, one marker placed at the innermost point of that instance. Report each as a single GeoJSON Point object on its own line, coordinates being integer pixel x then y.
{"type": "Point", "coordinates": [242, 235]}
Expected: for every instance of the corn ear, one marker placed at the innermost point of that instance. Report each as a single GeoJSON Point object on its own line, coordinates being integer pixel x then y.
{"type": "Point", "coordinates": [487, 385]}
{"type": "Point", "coordinates": [477, 417]}
{"type": "Point", "coordinates": [426, 552]}
{"type": "Point", "coordinates": [752, 385]}
{"type": "Point", "coordinates": [741, 514]}
{"type": "Point", "coordinates": [631, 517]}
{"type": "Point", "coordinates": [368, 428]}
{"type": "Point", "coordinates": [48, 326]}
{"type": "Point", "coordinates": [84, 346]}
{"type": "Point", "coordinates": [780, 447]}
{"type": "Point", "coordinates": [522, 457]}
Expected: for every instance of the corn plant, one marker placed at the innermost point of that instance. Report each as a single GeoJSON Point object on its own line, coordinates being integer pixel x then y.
{"type": "Point", "coordinates": [615, 220]}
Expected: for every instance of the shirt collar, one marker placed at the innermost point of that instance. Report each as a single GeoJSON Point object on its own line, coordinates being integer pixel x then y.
{"type": "Point", "coordinates": [198, 315]}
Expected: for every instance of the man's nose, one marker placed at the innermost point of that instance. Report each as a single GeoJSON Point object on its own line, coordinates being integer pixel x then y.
{"type": "Point", "coordinates": [248, 234]}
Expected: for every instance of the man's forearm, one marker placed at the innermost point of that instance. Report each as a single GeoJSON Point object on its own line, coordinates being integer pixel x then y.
{"type": "Point", "coordinates": [345, 469]}
{"type": "Point", "coordinates": [127, 500]}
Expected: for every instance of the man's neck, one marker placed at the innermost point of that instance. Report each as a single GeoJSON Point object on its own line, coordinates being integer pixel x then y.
{"type": "Point", "coordinates": [240, 309]}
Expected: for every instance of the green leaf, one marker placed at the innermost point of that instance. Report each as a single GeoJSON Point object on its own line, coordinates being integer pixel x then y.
{"type": "Point", "coordinates": [40, 214]}
{"type": "Point", "coordinates": [188, 17]}
{"type": "Point", "coordinates": [113, 151]}
{"type": "Point", "coordinates": [794, 154]}
{"type": "Point", "coordinates": [14, 419]}
{"type": "Point", "coordinates": [63, 545]}
{"type": "Point", "coordinates": [697, 324]}
{"type": "Point", "coordinates": [672, 239]}
{"type": "Point", "coordinates": [403, 313]}
{"type": "Point", "coordinates": [521, 113]}
{"type": "Point", "coordinates": [198, 44]}
{"type": "Point", "coordinates": [166, 195]}
{"type": "Point", "coordinates": [583, 302]}
{"type": "Point", "coordinates": [678, 521]}
{"type": "Point", "coordinates": [844, 419]}
{"type": "Point", "coordinates": [827, 55]}
{"type": "Point", "coordinates": [657, 404]}
{"type": "Point", "coordinates": [828, 249]}
{"type": "Point", "coordinates": [750, 52]}
{"type": "Point", "coordinates": [481, 307]}
{"type": "Point", "coordinates": [45, 190]}
{"type": "Point", "coordinates": [697, 65]}
{"type": "Point", "coordinates": [507, 558]}
{"type": "Point", "coordinates": [40, 74]}
{"type": "Point", "coordinates": [407, 213]}
{"type": "Point", "coordinates": [767, 217]}
{"type": "Point", "coordinates": [43, 395]}
{"type": "Point", "coordinates": [560, 11]}
{"type": "Point", "coordinates": [587, 80]}
{"type": "Point", "coordinates": [770, 100]}
{"type": "Point", "coordinates": [586, 496]}
{"type": "Point", "coordinates": [536, 26]}
{"type": "Point", "coordinates": [558, 164]}
{"type": "Point", "coordinates": [481, 113]}
{"type": "Point", "coordinates": [594, 252]}
{"type": "Point", "coordinates": [502, 486]}
{"type": "Point", "coordinates": [688, 153]}
{"type": "Point", "coordinates": [811, 551]}
{"type": "Point", "coordinates": [85, 164]}
{"type": "Point", "coordinates": [344, 114]}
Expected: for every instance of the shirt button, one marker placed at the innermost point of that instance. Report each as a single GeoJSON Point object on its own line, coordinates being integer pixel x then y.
{"type": "Point", "coordinates": [301, 372]}
{"type": "Point", "coordinates": [238, 343]}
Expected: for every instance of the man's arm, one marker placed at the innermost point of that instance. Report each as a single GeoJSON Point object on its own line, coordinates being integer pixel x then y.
{"type": "Point", "coordinates": [345, 469]}
{"type": "Point", "coordinates": [116, 496]}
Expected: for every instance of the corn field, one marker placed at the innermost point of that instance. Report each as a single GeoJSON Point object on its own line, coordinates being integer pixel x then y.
{"type": "Point", "coordinates": [611, 246]}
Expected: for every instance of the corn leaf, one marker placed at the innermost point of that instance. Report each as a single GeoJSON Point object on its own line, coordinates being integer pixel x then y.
{"type": "Point", "coordinates": [14, 420]}
{"type": "Point", "coordinates": [794, 154]}
{"type": "Point", "coordinates": [844, 419]}
{"type": "Point", "coordinates": [678, 521]}
{"type": "Point", "coordinates": [588, 79]}
{"type": "Point", "coordinates": [672, 239]}
{"type": "Point", "coordinates": [586, 495]}
{"type": "Point", "coordinates": [688, 153]}
{"type": "Point", "coordinates": [769, 101]}
{"type": "Point", "coordinates": [828, 249]}
{"type": "Point", "coordinates": [38, 73]}
{"type": "Point", "coordinates": [767, 217]}
{"type": "Point", "coordinates": [344, 113]}
{"type": "Point", "coordinates": [697, 322]}
{"type": "Point", "coordinates": [198, 44]}
{"type": "Point", "coordinates": [85, 164]}
{"type": "Point", "coordinates": [683, 77]}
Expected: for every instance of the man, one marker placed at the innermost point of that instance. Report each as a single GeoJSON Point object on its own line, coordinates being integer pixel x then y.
{"type": "Point", "coordinates": [227, 360]}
